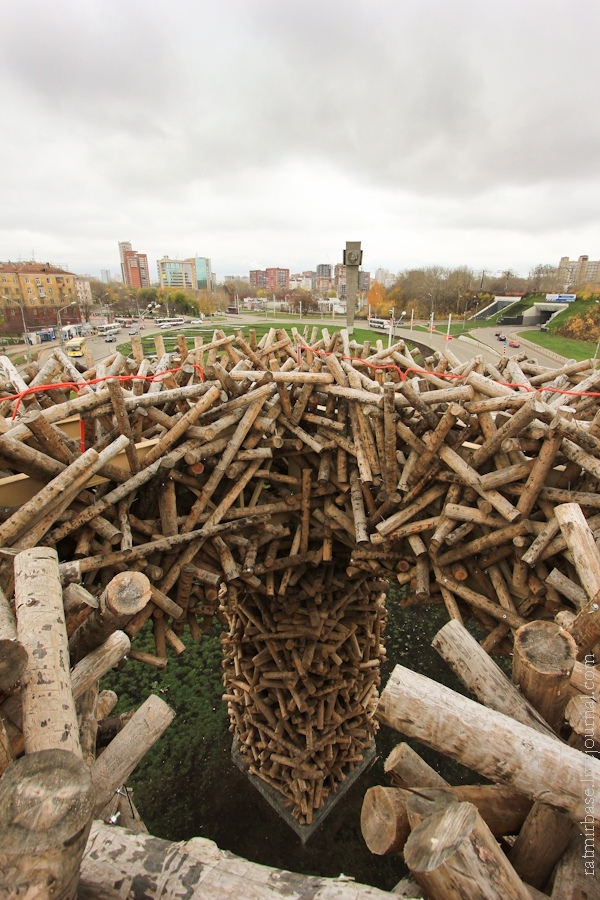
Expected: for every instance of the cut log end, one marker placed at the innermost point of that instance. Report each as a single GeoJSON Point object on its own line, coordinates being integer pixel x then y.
{"type": "Point", "coordinates": [547, 646]}
{"type": "Point", "coordinates": [383, 820]}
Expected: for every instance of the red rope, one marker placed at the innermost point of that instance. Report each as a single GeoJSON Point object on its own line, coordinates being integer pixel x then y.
{"type": "Point", "coordinates": [403, 374]}
{"type": "Point", "coordinates": [79, 385]}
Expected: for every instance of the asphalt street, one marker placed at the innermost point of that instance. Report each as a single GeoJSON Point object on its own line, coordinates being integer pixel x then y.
{"type": "Point", "coordinates": [487, 344]}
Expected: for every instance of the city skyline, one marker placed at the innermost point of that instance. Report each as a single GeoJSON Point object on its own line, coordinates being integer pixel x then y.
{"type": "Point", "coordinates": [434, 133]}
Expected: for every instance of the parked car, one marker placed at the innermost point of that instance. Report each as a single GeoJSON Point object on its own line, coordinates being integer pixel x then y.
{"type": "Point", "coordinates": [513, 343]}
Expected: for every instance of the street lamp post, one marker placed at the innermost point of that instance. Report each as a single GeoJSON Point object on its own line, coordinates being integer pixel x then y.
{"type": "Point", "coordinates": [28, 351]}
{"type": "Point", "coordinates": [59, 320]}
{"type": "Point", "coordinates": [391, 328]}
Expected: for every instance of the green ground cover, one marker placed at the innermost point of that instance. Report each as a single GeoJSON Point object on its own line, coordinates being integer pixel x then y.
{"type": "Point", "coordinates": [579, 309]}
{"type": "Point", "coordinates": [187, 784]}
{"type": "Point", "coordinates": [260, 328]}
{"type": "Point", "coordinates": [568, 347]}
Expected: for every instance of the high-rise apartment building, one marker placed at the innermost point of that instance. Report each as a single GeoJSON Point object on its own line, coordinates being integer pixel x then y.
{"type": "Point", "coordinates": [84, 290]}
{"type": "Point", "coordinates": [35, 292]}
{"type": "Point", "coordinates": [278, 279]}
{"type": "Point", "coordinates": [309, 281]}
{"type": "Point", "coordinates": [339, 279]}
{"type": "Point", "coordinates": [324, 270]}
{"type": "Point", "coordinates": [578, 272]}
{"type": "Point", "coordinates": [258, 278]}
{"type": "Point", "coordinates": [273, 279]}
{"type": "Point", "coordinates": [193, 275]}
{"type": "Point", "coordinates": [364, 281]}
{"type": "Point", "coordinates": [124, 247]}
{"type": "Point", "coordinates": [134, 266]}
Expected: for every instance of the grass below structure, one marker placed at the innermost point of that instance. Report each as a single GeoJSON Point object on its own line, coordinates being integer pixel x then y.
{"type": "Point", "coordinates": [187, 784]}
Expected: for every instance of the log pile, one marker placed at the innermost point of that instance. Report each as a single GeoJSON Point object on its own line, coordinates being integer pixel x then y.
{"type": "Point", "coordinates": [537, 827]}
{"type": "Point", "coordinates": [281, 484]}
{"type": "Point", "coordinates": [50, 795]}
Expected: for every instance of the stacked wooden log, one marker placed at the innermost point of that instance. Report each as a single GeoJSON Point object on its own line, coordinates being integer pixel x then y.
{"type": "Point", "coordinates": [537, 826]}
{"type": "Point", "coordinates": [50, 795]}
{"type": "Point", "coordinates": [280, 484]}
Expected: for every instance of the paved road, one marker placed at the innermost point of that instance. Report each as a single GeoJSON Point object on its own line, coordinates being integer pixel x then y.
{"type": "Point", "coordinates": [489, 347]}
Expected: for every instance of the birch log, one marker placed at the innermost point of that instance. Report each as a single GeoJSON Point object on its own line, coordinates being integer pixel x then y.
{"type": "Point", "coordinates": [46, 805]}
{"type": "Point", "coordinates": [49, 716]}
{"type": "Point", "coordinates": [116, 862]}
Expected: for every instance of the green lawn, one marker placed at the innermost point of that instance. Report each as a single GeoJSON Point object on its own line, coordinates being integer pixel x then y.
{"type": "Point", "coordinates": [260, 328]}
{"type": "Point", "coordinates": [574, 310]}
{"type": "Point", "coordinates": [568, 347]}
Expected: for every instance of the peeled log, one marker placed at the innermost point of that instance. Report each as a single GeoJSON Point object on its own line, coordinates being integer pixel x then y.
{"type": "Point", "coordinates": [13, 656]}
{"type": "Point", "coordinates": [49, 716]}
{"type": "Point", "coordinates": [580, 541]}
{"type": "Point", "coordinates": [46, 805]}
{"type": "Point", "coordinates": [543, 661]}
{"type": "Point", "coordinates": [483, 677]}
{"type": "Point", "coordinates": [407, 769]}
{"type": "Point", "coordinates": [490, 743]}
{"type": "Point", "coordinates": [99, 662]}
{"type": "Point", "coordinates": [540, 844]}
{"type": "Point", "coordinates": [122, 755]}
{"type": "Point", "coordinates": [386, 814]}
{"type": "Point", "coordinates": [125, 595]}
{"type": "Point", "coordinates": [454, 856]}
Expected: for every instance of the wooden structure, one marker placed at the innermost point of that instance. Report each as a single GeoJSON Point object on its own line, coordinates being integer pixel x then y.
{"type": "Point", "coordinates": [280, 484]}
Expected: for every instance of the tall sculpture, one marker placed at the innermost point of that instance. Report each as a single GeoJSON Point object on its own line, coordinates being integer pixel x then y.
{"type": "Point", "coordinates": [352, 261]}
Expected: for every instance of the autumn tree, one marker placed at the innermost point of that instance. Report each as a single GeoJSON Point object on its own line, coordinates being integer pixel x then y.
{"type": "Point", "coordinates": [376, 300]}
{"type": "Point", "coordinates": [543, 279]}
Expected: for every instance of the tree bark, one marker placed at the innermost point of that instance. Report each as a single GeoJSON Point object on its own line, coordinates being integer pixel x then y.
{"type": "Point", "coordinates": [13, 656]}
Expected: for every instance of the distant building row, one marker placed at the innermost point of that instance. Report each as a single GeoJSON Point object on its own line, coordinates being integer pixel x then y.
{"type": "Point", "coordinates": [193, 274]}
{"type": "Point", "coordinates": [321, 281]}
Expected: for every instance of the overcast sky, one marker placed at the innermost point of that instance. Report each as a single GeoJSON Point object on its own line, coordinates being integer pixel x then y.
{"type": "Point", "coordinates": [269, 132]}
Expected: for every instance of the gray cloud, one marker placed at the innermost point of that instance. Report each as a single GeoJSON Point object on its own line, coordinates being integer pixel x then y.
{"type": "Point", "coordinates": [262, 131]}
